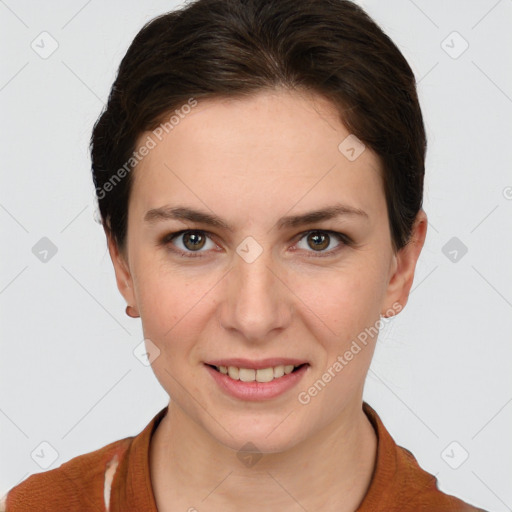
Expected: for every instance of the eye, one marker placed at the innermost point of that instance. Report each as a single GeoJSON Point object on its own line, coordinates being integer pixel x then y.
{"type": "Point", "coordinates": [319, 240]}
{"type": "Point", "coordinates": [193, 240]}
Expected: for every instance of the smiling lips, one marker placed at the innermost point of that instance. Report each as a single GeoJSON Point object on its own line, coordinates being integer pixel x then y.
{"type": "Point", "coordinates": [256, 371]}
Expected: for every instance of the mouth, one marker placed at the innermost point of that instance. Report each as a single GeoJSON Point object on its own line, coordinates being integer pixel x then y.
{"type": "Point", "coordinates": [263, 380]}
{"type": "Point", "coordinates": [260, 374]}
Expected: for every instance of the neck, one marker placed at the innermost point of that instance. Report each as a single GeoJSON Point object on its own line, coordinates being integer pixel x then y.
{"type": "Point", "coordinates": [329, 471]}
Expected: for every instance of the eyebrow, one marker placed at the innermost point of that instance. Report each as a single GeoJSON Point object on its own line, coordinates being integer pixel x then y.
{"type": "Point", "coordinates": [183, 213]}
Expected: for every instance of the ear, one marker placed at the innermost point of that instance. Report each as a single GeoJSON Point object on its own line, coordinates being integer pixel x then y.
{"type": "Point", "coordinates": [404, 265]}
{"type": "Point", "coordinates": [122, 270]}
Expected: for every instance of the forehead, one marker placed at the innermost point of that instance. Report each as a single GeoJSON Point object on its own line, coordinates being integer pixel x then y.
{"type": "Point", "coordinates": [258, 152]}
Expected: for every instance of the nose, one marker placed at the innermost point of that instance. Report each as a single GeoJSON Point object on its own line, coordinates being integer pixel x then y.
{"type": "Point", "coordinates": [257, 305]}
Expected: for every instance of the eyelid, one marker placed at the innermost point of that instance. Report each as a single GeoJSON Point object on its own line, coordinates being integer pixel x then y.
{"type": "Point", "coordinates": [342, 237]}
{"type": "Point", "coordinates": [167, 240]}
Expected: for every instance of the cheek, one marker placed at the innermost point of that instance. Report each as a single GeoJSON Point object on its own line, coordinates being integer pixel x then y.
{"type": "Point", "coordinates": [341, 302]}
{"type": "Point", "coordinates": [346, 310]}
{"type": "Point", "coordinates": [171, 308]}
{"type": "Point", "coordinates": [173, 305]}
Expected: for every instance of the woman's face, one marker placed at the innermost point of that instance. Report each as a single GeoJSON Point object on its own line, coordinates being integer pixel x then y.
{"type": "Point", "coordinates": [254, 286]}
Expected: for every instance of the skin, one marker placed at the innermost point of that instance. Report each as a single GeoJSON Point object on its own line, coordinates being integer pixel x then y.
{"type": "Point", "coordinates": [251, 161]}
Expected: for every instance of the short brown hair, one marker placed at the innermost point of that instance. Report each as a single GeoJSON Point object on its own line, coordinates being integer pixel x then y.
{"type": "Point", "coordinates": [219, 48]}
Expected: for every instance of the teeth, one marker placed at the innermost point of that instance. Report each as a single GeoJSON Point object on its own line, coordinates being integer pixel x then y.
{"type": "Point", "coordinates": [278, 371]}
{"type": "Point", "coordinates": [261, 375]}
{"type": "Point", "coordinates": [233, 372]}
{"type": "Point", "coordinates": [265, 374]}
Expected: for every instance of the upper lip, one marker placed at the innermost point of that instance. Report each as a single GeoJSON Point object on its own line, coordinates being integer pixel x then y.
{"type": "Point", "coordinates": [256, 365]}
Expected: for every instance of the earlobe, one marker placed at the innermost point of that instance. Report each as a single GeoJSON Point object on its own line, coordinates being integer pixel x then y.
{"type": "Point", "coordinates": [400, 283]}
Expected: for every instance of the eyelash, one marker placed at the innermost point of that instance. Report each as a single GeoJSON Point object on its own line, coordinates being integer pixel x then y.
{"type": "Point", "coordinates": [344, 239]}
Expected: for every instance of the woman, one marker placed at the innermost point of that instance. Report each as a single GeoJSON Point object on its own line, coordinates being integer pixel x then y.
{"type": "Point", "coordinates": [259, 172]}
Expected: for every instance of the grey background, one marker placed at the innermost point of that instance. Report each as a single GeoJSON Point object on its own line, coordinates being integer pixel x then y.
{"type": "Point", "coordinates": [442, 368]}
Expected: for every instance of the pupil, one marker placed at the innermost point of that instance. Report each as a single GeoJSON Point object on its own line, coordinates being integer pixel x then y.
{"type": "Point", "coordinates": [196, 240]}
{"type": "Point", "coordinates": [321, 238]}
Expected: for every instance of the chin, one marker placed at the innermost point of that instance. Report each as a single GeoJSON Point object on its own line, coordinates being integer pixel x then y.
{"type": "Point", "coordinates": [270, 436]}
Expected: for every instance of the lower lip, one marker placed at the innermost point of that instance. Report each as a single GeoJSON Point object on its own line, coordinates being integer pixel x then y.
{"type": "Point", "coordinates": [257, 390]}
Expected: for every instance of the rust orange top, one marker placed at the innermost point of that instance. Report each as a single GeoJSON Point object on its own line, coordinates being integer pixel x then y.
{"type": "Point", "coordinates": [116, 478]}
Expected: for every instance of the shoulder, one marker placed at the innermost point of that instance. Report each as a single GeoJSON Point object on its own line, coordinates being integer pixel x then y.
{"type": "Point", "coordinates": [420, 488]}
{"type": "Point", "coordinates": [78, 482]}
{"type": "Point", "coordinates": [400, 483]}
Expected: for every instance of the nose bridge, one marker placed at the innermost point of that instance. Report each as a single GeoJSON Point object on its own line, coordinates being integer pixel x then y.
{"type": "Point", "coordinates": [256, 303]}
